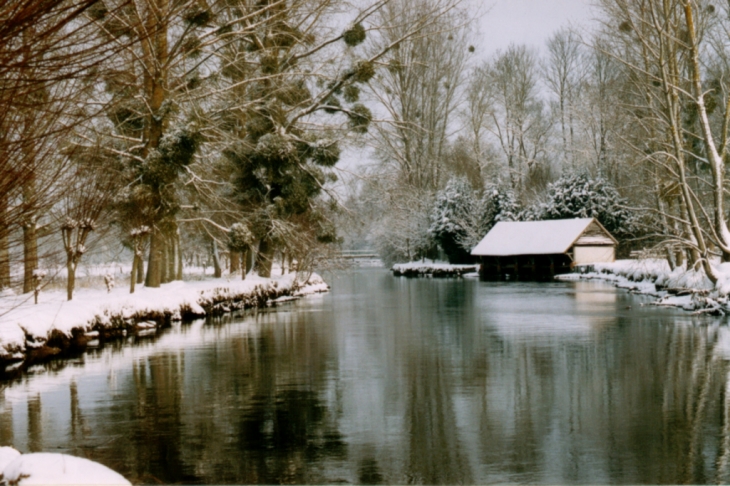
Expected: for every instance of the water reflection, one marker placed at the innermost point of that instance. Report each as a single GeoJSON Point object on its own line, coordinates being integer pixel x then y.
{"type": "Point", "coordinates": [401, 381]}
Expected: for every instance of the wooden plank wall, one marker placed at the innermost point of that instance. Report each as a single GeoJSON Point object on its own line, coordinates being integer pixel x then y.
{"type": "Point", "coordinates": [524, 267]}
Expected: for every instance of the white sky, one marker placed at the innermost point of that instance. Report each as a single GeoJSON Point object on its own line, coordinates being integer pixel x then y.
{"type": "Point", "coordinates": [528, 22]}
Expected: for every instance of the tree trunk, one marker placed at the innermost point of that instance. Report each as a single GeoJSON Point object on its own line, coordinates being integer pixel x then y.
{"type": "Point", "coordinates": [4, 260]}
{"type": "Point", "coordinates": [671, 258]}
{"type": "Point", "coordinates": [29, 192]}
{"type": "Point", "coordinates": [133, 276]}
{"type": "Point", "coordinates": [155, 261]}
{"type": "Point", "coordinates": [242, 264]}
{"type": "Point", "coordinates": [265, 258]}
{"type": "Point", "coordinates": [171, 257]}
{"type": "Point", "coordinates": [249, 259]}
{"type": "Point", "coordinates": [675, 229]}
{"type": "Point", "coordinates": [140, 269]}
{"type": "Point", "coordinates": [4, 246]}
{"type": "Point", "coordinates": [218, 273]}
{"type": "Point", "coordinates": [30, 254]}
{"type": "Point", "coordinates": [70, 278]}
{"type": "Point", "coordinates": [665, 223]}
{"type": "Point", "coordinates": [235, 262]}
{"type": "Point", "coordinates": [179, 262]}
{"type": "Point", "coordinates": [164, 263]}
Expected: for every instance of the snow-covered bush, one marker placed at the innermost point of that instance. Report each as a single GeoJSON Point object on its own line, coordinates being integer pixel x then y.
{"type": "Point", "coordinates": [484, 210]}
{"type": "Point", "coordinates": [453, 204]}
{"type": "Point", "coordinates": [504, 205]}
{"type": "Point", "coordinates": [462, 216]}
{"type": "Point", "coordinates": [582, 196]}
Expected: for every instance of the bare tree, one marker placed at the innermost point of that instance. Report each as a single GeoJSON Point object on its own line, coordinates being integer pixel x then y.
{"type": "Point", "coordinates": [565, 73]}
{"type": "Point", "coordinates": [518, 123]}
{"type": "Point", "coordinates": [478, 101]}
{"type": "Point", "coordinates": [92, 184]}
{"type": "Point", "coordinates": [419, 91]}
{"type": "Point", "coordinates": [601, 116]}
{"type": "Point", "coordinates": [714, 152]}
{"type": "Point", "coordinates": [659, 42]}
{"type": "Point", "coordinates": [400, 229]}
{"type": "Point", "coordinates": [288, 95]}
{"type": "Point", "coordinates": [47, 54]}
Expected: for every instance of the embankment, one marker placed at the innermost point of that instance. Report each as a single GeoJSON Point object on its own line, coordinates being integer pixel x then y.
{"type": "Point", "coordinates": [54, 327]}
{"type": "Point", "coordinates": [687, 289]}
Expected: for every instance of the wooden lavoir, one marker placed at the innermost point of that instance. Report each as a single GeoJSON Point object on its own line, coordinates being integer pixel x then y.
{"type": "Point", "coordinates": [539, 250]}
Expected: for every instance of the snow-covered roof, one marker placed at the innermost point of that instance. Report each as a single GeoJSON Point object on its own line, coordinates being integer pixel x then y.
{"type": "Point", "coordinates": [533, 237]}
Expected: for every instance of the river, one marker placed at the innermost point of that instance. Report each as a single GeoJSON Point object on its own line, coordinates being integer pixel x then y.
{"type": "Point", "coordinates": [394, 380]}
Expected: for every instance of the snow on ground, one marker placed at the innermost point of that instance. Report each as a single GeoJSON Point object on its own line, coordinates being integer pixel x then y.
{"type": "Point", "coordinates": [92, 275]}
{"type": "Point", "coordinates": [7, 455]}
{"type": "Point", "coordinates": [24, 326]}
{"type": "Point", "coordinates": [430, 268]}
{"type": "Point", "coordinates": [44, 468]}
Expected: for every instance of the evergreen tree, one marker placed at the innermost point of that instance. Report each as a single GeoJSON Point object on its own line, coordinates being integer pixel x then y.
{"type": "Point", "coordinates": [582, 196]}
{"type": "Point", "coordinates": [453, 203]}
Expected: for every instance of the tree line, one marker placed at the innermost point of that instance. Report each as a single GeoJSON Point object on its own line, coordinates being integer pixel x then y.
{"type": "Point", "coordinates": [175, 127]}
{"type": "Point", "coordinates": [163, 126]}
{"type": "Point", "coordinates": [637, 103]}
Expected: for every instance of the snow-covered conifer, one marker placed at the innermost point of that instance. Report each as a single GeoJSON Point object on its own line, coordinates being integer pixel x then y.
{"type": "Point", "coordinates": [453, 202]}
{"type": "Point", "coordinates": [483, 210]}
{"type": "Point", "coordinates": [582, 196]}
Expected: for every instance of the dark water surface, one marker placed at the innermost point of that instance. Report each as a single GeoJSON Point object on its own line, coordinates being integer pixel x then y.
{"type": "Point", "coordinates": [389, 380]}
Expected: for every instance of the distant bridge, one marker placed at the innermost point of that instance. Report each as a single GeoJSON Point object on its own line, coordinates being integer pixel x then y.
{"type": "Point", "coordinates": [358, 254]}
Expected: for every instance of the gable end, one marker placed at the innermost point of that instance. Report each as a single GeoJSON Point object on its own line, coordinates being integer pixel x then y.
{"type": "Point", "coordinates": [595, 235]}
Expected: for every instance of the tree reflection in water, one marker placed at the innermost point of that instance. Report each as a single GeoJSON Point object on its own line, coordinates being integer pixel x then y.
{"type": "Point", "coordinates": [401, 381]}
{"type": "Point", "coordinates": [231, 422]}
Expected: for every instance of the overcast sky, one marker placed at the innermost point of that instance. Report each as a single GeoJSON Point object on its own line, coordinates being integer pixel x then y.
{"type": "Point", "coordinates": [529, 21]}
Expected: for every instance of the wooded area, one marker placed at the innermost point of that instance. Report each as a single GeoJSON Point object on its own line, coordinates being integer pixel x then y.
{"type": "Point", "coordinates": [180, 128]}
{"type": "Point", "coordinates": [170, 126]}
{"type": "Point", "coordinates": [626, 120]}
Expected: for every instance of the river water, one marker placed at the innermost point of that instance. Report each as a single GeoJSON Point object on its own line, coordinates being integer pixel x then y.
{"type": "Point", "coordinates": [394, 380]}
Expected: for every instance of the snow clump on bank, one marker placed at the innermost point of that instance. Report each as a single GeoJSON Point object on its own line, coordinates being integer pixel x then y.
{"type": "Point", "coordinates": [53, 469]}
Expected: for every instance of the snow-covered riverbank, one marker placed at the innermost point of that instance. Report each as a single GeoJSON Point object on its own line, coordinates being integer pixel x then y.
{"type": "Point", "coordinates": [687, 289]}
{"type": "Point", "coordinates": [54, 325]}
